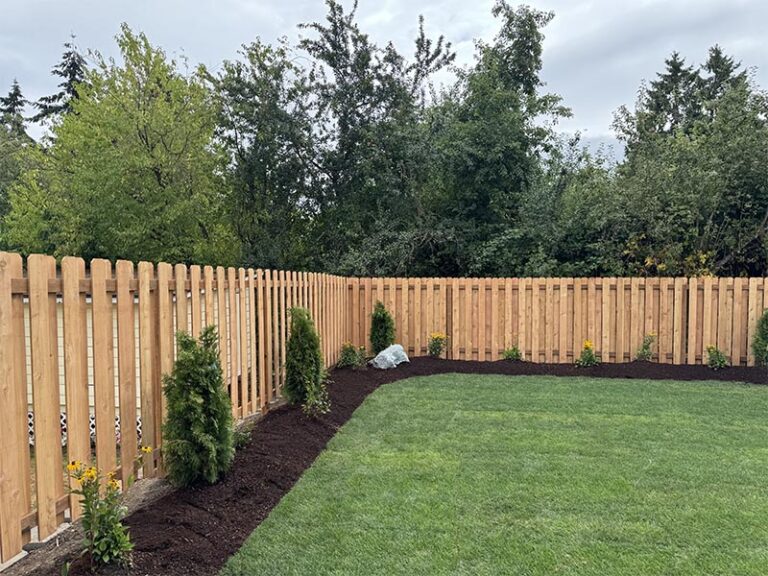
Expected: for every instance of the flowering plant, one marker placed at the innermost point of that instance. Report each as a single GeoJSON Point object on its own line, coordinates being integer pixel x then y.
{"type": "Point", "coordinates": [106, 538]}
{"type": "Point", "coordinates": [436, 344]}
{"type": "Point", "coordinates": [588, 356]}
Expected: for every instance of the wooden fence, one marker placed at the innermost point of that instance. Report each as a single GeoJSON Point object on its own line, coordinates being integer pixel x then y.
{"type": "Point", "coordinates": [96, 342]}
{"type": "Point", "coordinates": [92, 344]}
{"type": "Point", "coordinates": [549, 318]}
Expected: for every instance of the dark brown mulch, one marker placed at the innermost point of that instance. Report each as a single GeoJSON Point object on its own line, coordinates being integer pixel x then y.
{"type": "Point", "coordinates": [193, 532]}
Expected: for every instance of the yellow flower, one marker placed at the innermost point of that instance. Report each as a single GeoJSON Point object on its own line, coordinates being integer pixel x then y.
{"type": "Point", "coordinates": [146, 449]}
{"type": "Point", "coordinates": [438, 336]}
{"type": "Point", "coordinates": [90, 474]}
{"type": "Point", "coordinates": [588, 345]}
{"type": "Point", "coordinates": [74, 466]}
{"type": "Point", "coordinates": [113, 485]}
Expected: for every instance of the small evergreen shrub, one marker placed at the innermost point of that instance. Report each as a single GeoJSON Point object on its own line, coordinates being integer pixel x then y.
{"type": "Point", "coordinates": [716, 359]}
{"type": "Point", "coordinates": [351, 356]}
{"type": "Point", "coordinates": [645, 352]}
{"type": "Point", "coordinates": [382, 328]}
{"type": "Point", "coordinates": [512, 354]}
{"type": "Point", "coordinates": [198, 441]}
{"type": "Point", "coordinates": [304, 373]}
{"type": "Point", "coordinates": [436, 345]}
{"type": "Point", "coordinates": [588, 356]}
{"type": "Point", "coordinates": [760, 341]}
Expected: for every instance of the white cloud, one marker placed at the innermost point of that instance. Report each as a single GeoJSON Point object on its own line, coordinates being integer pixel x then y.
{"type": "Point", "coordinates": [596, 52]}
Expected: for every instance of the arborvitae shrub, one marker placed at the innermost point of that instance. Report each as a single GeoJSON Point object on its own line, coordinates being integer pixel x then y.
{"type": "Point", "coordinates": [304, 360]}
{"type": "Point", "coordinates": [760, 340]}
{"type": "Point", "coordinates": [382, 328]}
{"type": "Point", "coordinates": [197, 436]}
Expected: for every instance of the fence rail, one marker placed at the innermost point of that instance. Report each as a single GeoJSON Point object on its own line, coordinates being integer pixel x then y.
{"type": "Point", "coordinates": [90, 344]}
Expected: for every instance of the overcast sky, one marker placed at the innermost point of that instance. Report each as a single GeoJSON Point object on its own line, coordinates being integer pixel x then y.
{"type": "Point", "coordinates": [596, 51]}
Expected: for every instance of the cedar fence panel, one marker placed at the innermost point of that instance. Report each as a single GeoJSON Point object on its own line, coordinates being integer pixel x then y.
{"type": "Point", "coordinates": [84, 347]}
{"type": "Point", "coordinates": [91, 342]}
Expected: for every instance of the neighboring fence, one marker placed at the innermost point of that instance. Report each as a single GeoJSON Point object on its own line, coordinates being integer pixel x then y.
{"type": "Point", "coordinates": [549, 318]}
{"type": "Point", "coordinates": [81, 345]}
{"type": "Point", "coordinates": [99, 341]}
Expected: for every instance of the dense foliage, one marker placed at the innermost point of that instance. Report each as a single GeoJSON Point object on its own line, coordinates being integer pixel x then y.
{"type": "Point", "coordinates": [340, 155]}
{"type": "Point", "coordinates": [760, 340]}
{"type": "Point", "coordinates": [197, 434]}
{"type": "Point", "coordinates": [351, 356]}
{"type": "Point", "coordinates": [716, 358]}
{"type": "Point", "coordinates": [304, 370]}
{"type": "Point", "coordinates": [382, 328]}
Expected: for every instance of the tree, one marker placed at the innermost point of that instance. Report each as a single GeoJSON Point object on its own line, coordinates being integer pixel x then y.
{"type": "Point", "coordinates": [491, 131]}
{"type": "Point", "coordinates": [266, 130]}
{"type": "Point", "coordinates": [694, 195]}
{"type": "Point", "coordinates": [12, 110]}
{"type": "Point", "coordinates": [71, 69]}
{"type": "Point", "coordinates": [133, 172]}
{"type": "Point", "coordinates": [370, 159]}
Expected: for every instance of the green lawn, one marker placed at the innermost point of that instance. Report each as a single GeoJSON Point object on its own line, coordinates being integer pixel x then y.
{"type": "Point", "coordinates": [458, 474]}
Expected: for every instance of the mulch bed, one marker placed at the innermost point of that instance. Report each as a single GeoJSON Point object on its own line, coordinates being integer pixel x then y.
{"type": "Point", "coordinates": [194, 531]}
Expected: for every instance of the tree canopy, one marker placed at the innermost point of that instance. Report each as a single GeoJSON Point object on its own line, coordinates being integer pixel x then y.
{"type": "Point", "coordinates": [341, 155]}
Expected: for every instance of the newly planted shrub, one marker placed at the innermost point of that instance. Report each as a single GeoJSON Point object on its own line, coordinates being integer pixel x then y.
{"type": "Point", "coordinates": [382, 328]}
{"type": "Point", "coordinates": [198, 444]}
{"type": "Point", "coordinates": [304, 373]}
{"type": "Point", "coordinates": [645, 352]}
{"type": "Point", "coordinates": [436, 344]}
{"type": "Point", "coordinates": [512, 354]}
{"type": "Point", "coordinates": [351, 356]}
{"type": "Point", "coordinates": [760, 340]}
{"type": "Point", "coordinates": [716, 359]}
{"type": "Point", "coordinates": [588, 356]}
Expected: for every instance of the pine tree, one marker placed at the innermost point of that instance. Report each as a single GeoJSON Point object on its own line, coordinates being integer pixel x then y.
{"type": "Point", "coordinates": [721, 73]}
{"type": "Point", "coordinates": [672, 97]}
{"type": "Point", "coordinates": [72, 69]}
{"type": "Point", "coordinates": [12, 110]}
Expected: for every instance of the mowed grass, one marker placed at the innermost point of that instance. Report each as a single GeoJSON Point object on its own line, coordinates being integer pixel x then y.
{"type": "Point", "coordinates": [458, 474]}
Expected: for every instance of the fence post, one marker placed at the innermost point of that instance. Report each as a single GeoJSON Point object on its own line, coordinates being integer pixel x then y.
{"type": "Point", "coordinates": [12, 416]}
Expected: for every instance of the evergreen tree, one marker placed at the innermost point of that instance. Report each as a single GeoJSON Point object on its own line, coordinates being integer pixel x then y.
{"type": "Point", "coordinates": [672, 98]}
{"type": "Point", "coordinates": [12, 110]}
{"type": "Point", "coordinates": [72, 70]}
{"type": "Point", "coordinates": [721, 73]}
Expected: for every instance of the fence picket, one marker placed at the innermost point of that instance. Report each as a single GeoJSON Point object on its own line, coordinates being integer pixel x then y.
{"type": "Point", "coordinates": [126, 367]}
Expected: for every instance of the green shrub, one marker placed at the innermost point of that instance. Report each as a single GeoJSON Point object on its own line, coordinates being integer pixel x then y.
{"type": "Point", "coordinates": [588, 356]}
{"type": "Point", "coordinates": [198, 436]}
{"type": "Point", "coordinates": [512, 354]}
{"type": "Point", "coordinates": [645, 352]}
{"type": "Point", "coordinates": [317, 401]}
{"type": "Point", "coordinates": [351, 356]}
{"type": "Point", "coordinates": [436, 345]}
{"type": "Point", "coordinates": [382, 328]}
{"type": "Point", "coordinates": [304, 374]}
{"type": "Point", "coordinates": [716, 359]}
{"type": "Point", "coordinates": [760, 341]}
